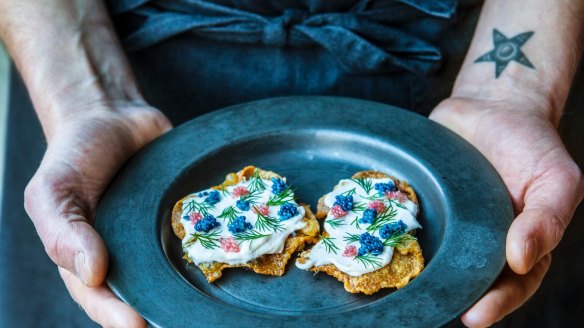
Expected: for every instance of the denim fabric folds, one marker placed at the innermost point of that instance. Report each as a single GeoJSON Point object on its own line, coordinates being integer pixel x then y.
{"type": "Point", "coordinates": [368, 37]}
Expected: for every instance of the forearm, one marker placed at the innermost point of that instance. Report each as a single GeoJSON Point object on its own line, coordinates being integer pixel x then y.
{"type": "Point", "coordinates": [553, 50]}
{"type": "Point", "coordinates": [68, 55]}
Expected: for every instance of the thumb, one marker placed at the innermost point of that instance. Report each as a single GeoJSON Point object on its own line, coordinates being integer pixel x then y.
{"type": "Point", "coordinates": [550, 202]}
{"type": "Point", "coordinates": [56, 206]}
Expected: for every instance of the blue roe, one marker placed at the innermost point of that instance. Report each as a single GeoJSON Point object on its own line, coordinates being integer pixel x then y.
{"type": "Point", "coordinates": [207, 223]}
{"type": "Point", "coordinates": [239, 225]}
{"type": "Point", "coordinates": [368, 216]}
{"type": "Point", "coordinates": [382, 188]}
{"type": "Point", "coordinates": [392, 229]}
{"type": "Point", "coordinates": [345, 202]}
{"type": "Point", "coordinates": [213, 198]}
{"type": "Point", "coordinates": [242, 204]}
{"type": "Point", "coordinates": [370, 244]}
{"type": "Point", "coordinates": [287, 211]}
{"type": "Point", "coordinates": [278, 186]}
{"type": "Point", "coordinates": [204, 193]}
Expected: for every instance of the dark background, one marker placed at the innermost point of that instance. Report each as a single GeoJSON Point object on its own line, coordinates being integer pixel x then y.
{"type": "Point", "coordinates": [32, 294]}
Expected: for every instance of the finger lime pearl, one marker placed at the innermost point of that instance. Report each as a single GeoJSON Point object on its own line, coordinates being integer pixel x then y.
{"type": "Point", "coordinates": [278, 186]}
{"type": "Point", "coordinates": [242, 204]}
{"type": "Point", "coordinates": [207, 223]}
{"type": "Point", "coordinates": [370, 244]}
{"type": "Point", "coordinates": [287, 211]}
{"type": "Point", "coordinates": [392, 229]}
{"type": "Point", "coordinates": [213, 198]}
{"type": "Point", "coordinates": [382, 188]}
{"type": "Point", "coordinates": [346, 202]}
{"type": "Point", "coordinates": [239, 225]}
{"type": "Point", "coordinates": [368, 216]}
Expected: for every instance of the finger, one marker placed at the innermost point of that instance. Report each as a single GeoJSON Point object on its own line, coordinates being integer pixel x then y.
{"type": "Point", "coordinates": [59, 217]}
{"type": "Point", "coordinates": [507, 294]}
{"type": "Point", "coordinates": [550, 203]}
{"type": "Point", "coordinates": [100, 304]}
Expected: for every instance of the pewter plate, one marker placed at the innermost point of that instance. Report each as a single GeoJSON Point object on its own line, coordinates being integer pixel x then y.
{"type": "Point", "coordinates": [314, 142]}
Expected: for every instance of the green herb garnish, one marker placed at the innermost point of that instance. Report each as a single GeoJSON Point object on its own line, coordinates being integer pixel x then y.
{"type": "Point", "coordinates": [364, 183]}
{"type": "Point", "coordinates": [249, 235]}
{"type": "Point", "coordinates": [335, 223]}
{"type": "Point", "coordinates": [382, 218]}
{"type": "Point", "coordinates": [398, 204]}
{"type": "Point", "coordinates": [225, 192]}
{"type": "Point", "coordinates": [286, 196]}
{"type": "Point", "coordinates": [349, 192]}
{"type": "Point", "coordinates": [329, 245]}
{"type": "Point", "coordinates": [194, 206]}
{"type": "Point", "coordinates": [356, 222]}
{"type": "Point", "coordinates": [359, 207]}
{"type": "Point", "coordinates": [208, 240]}
{"type": "Point", "coordinates": [252, 197]}
{"type": "Point", "coordinates": [256, 183]}
{"type": "Point", "coordinates": [394, 241]}
{"type": "Point", "coordinates": [266, 222]}
{"type": "Point", "coordinates": [369, 260]}
{"type": "Point", "coordinates": [230, 213]}
{"type": "Point", "coordinates": [351, 238]}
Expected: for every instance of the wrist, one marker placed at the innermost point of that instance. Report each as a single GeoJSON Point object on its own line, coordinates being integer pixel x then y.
{"type": "Point", "coordinates": [96, 75]}
{"type": "Point", "coordinates": [75, 63]}
{"type": "Point", "coordinates": [522, 93]}
{"type": "Point", "coordinates": [136, 116]}
{"type": "Point", "coordinates": [83, 100]}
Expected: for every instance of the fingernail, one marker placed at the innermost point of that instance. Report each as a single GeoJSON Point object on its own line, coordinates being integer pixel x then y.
{"type": "Point", "coordinates": [80, 266]}
{"type": "Point", "coordinates": [531, 253]}
{"type": "Point", "coordinates": [470, 318]}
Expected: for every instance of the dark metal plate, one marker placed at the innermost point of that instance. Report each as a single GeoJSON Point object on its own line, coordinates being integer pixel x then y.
{"type": "Point", "coordinates": [314, 142]}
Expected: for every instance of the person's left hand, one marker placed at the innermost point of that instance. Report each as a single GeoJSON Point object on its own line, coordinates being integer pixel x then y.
{"type": "Point", "coordinates": [545, 185]}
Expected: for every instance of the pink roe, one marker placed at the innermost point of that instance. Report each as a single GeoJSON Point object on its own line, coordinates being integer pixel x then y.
{"type": "Point", "coordinates": [195, 217]}
{"type": "Point", "coordinates": [263, 209]}
{"type": "Point", "coordinates": [229, 245]}
{"type": "Point", "coordinates": [377, 205]}
{"type": "Point", "coordinates": [350, 251]}
{"type": "Point", "coordinates": [338, 212]}
{"type": "Point", "coordinates": [239, 191]}
{"type": "Point", "coordinates": [397, 195]}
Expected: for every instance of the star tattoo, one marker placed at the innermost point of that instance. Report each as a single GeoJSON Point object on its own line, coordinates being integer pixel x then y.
{"type": "Point", "coordinates": [506, 50]}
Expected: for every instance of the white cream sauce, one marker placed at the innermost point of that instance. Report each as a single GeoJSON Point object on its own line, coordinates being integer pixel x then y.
{"type": "Point", "coordinates": [331, 251]}
{"type": "Point", "coordinates": [270, 241]}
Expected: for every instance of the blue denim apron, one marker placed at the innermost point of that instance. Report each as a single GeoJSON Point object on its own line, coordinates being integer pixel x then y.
{"type": "Point", "coordinates": [195, 56]}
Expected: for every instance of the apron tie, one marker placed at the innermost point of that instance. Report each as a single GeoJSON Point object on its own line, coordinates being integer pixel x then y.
{"type": "Point", "coordinates": [276, 29]}
{"type": "Point", "coordinates": [362, 40]}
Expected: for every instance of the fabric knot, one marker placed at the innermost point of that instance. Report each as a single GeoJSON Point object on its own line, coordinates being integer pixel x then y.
{"type": "Point", "coordinates": [365, 40]}
{"type": "Point", "coordinates": [275, 32]}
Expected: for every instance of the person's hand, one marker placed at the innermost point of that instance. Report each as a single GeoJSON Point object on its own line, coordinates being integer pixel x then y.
{"type": "Point", "coordinates": [545, 185]}
{"type": "Point", "coordinates": [85, 150]}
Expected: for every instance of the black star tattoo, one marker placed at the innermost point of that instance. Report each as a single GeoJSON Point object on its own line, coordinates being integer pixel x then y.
{"type": "Point", "coordinates": [506, 50]}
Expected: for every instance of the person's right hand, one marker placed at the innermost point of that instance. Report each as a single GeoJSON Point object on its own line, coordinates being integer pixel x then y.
{"type": "Point", "coordinates": [85, 150]}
